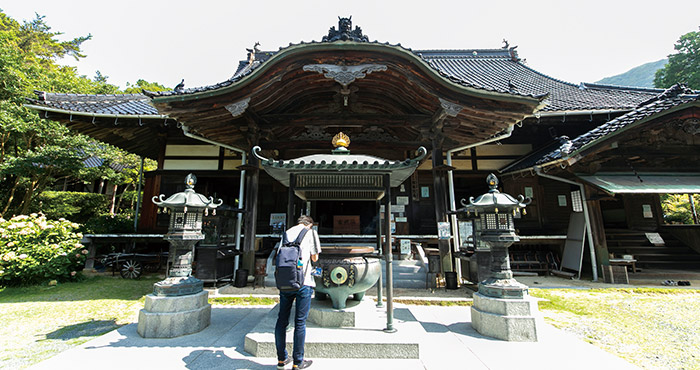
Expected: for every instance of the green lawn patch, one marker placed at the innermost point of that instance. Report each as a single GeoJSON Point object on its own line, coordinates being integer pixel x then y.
{"type": "Point", "coordinates": [243, 301]}
{"type": "Point", "coordinates": [426, 302]}
{"type": "Point", "coordinates": [650, 327]}
{"type": "Point", "coordinates": [38, 322]}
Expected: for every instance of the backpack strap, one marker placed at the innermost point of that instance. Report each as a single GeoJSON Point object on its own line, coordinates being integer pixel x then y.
{"type": "Point", "coordinates": [301, 236]}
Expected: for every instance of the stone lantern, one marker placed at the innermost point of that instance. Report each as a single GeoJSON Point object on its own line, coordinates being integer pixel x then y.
{"type": "Point", "coordinates": [179, 305]}
{"type": "Point", "coordinates": [502, 307]}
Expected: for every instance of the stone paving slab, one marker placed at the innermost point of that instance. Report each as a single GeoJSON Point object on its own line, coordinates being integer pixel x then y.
{"type": "Point", "coordinates": [448, 342]}
{"type": "Point", "coordinates": [366, 340]}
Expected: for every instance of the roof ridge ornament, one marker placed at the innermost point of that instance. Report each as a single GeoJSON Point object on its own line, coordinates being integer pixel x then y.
{"type": "Point", "coordinates": [345, 32]}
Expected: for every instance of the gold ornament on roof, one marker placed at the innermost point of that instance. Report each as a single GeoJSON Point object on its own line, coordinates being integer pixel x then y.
{"type": "Point", "coordinates": [341, 140]}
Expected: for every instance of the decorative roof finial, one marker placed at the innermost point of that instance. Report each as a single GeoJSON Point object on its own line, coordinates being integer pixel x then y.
{"type": "Point", "coordinates": [341, 140]}
{"type": "Point", "coordinates": [180, 87]}
{"type": "Point", "coordinates": [345, 32]}
{"type": "Point", "coordinates": [492, 180]}
{"type": "Point", "coordinates": [190, 181]}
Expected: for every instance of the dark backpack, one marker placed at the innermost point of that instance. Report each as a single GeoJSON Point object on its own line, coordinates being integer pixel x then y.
{"type": "Point", "coordinates": [289, 273]}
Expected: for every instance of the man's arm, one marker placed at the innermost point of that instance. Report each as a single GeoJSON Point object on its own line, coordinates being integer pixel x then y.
{"type": "Point", "coordinates": [317, 246]}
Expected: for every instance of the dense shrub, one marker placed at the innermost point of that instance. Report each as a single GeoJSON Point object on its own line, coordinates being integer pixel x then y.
{"type": "Point", "coordinates": [109, 224]}
{"type": "Point", "coordinates": [75, 206]}
{"type": "Point", "coordinates": [34, 250]}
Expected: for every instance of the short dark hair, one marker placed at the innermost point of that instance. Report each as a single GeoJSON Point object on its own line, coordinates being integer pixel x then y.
{"type": "Point", "coordinates": [306, 220]}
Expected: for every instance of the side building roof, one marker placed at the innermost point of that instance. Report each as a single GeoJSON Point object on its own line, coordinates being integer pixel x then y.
{"type": "Point", "coordinates": [672, 97]}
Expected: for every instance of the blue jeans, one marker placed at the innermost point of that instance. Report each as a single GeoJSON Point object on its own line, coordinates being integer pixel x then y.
{"type": "Point", "coordinates": [303, 298]}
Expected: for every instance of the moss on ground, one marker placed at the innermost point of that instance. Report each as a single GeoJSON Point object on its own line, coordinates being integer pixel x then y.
{"type": "Point", "coordinates": [650, 327]}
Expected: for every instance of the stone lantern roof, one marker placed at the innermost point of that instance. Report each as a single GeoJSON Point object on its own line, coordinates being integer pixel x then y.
{"type": "Point", "coordinates": [494, 200]}
{"type": "Point", "coordinates": [188, 198]}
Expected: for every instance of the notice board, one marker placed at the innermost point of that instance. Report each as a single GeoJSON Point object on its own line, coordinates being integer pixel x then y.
{"type": "Point", "coordinates": [573, 248]}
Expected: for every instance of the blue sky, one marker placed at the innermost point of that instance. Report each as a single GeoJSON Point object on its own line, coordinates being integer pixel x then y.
{"type": "Point", "coordinates": [202, 41]}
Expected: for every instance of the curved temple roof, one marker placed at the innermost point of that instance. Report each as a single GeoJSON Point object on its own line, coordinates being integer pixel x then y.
{"type": "Point", "coordinates": [494, 70]}
{"type": "Point", "coordinates": [481, 90]}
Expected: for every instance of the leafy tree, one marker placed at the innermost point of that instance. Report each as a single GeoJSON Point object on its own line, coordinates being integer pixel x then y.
{"type": "Point", "coordinates": [677, 208]}
{"type": "Point", "coordinates": [35, 152]}
{"type": "Point", "coordinates": [144, 85]}
{"type": "Point", "coordinates": [684, 65]}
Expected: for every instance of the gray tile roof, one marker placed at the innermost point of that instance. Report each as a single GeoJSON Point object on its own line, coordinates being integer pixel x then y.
{"type": "Point", "coordinates": [118, 104]}
{"type": "Point", "coordinates": [672, 97]}
{"type": "Point", "coordinates": [499, 70]}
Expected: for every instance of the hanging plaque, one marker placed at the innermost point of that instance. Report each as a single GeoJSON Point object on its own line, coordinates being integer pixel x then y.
{"type": "Point", "coordinates": [444, 230]}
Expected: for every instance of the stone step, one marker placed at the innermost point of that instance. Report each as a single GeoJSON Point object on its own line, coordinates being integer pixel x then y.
{"type": "Point", "coordinates": [365, 340]}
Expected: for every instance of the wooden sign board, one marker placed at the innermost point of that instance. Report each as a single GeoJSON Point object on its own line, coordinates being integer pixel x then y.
{"type": "Point", "coordinates": [346, 225]}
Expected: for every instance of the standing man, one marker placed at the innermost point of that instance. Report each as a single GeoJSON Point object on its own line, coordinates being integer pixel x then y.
{"type": "Point", "coordinates": [310, 248]}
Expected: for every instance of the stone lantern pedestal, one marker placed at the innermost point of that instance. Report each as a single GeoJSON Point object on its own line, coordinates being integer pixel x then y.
{"type": "Point", "coordinates": [502, 307]}
{"type": "Point", "coordinates": [179, 305]}
{"type": "Point", "coordinates": [170, 317]}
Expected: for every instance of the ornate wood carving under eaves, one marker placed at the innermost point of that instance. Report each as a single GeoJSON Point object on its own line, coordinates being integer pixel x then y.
{"type": "Point", "coordinates": [451, 109]}
{"type": "Point", "coordinates": [690, 126]}
{"type": "Point", "coordinates": [236, 109]}
{"type": "Point", "coordinates": [345, 32]}
{"type": "Point", "coordinates": [375, 134]}
{"type": "Point", "coordinates": [344, 75]}
{"type": "Point", "coordinates": [313, 133]}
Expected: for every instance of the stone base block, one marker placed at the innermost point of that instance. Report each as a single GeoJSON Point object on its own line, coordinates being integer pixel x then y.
{"type": "Point", "coordinates": [365, 340]}
{"type": "Point", "coordinates": [514, 320]}
{"type": "Point", "coordinates": [324, 315]}
{"type": "Point", "coordinates": [170, 317]}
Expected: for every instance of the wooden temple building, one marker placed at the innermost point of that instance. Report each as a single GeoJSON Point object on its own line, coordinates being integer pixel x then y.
{"type": "Point", "coordinates": [593, 158]}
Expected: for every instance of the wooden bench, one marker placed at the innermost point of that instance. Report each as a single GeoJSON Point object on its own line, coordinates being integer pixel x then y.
{"type": "Point", "coordinates": [624, 262]}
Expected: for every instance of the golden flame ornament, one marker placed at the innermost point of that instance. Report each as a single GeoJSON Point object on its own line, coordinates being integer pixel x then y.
{"type": "Point", "coordinates": [341, 140]}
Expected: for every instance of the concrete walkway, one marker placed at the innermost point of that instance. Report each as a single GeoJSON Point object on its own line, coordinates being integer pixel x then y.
{"type": "Point", "coordinates": [447, 342]}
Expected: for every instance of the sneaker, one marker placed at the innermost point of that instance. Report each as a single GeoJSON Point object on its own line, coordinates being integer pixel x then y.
{"type": "Point", "coordinates": [282, 364]}
{"type": "Point", "coordinates": [303, 365]}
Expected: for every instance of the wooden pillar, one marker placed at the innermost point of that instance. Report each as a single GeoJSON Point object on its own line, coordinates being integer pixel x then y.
{"type": "Point", "coordinates": [251, 202]}
{"type": "Point", "coordinates": [597, 228]}
{"type": "Point", "coordinates": [440, 201]}
{"type": "Point", "coordinates": [290, 201]}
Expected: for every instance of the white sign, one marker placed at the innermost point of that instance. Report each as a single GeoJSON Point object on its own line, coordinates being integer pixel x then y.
{"type": "Point", "coordinates": [396, 208]}
{"type": "Point", "coordinates": [528, 192]}
{"type": "Point", "coordinates": [276, 218]}
{"type": "Point", "coordinates": [444, 230]}
{"type": "Point", "coordinates": [562, 200]}
{"type": "Point", "coordinates": [646, 211]}
{"type": "Point", "coordinates": [405, 246]}
{"type": "Point", "coordinates": [402, 200]}
{"type": "Point", "coordinates": [401, 219]}
{"type": "Point", "coordinates": [655, 239]}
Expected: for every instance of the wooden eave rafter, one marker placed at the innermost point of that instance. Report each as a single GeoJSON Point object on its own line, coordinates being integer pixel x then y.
{"type": "Point", "coordinates": [404, 98]}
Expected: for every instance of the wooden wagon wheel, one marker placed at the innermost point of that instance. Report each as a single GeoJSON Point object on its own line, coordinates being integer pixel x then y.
{"type": "Point", "coordinates": [131, 269]}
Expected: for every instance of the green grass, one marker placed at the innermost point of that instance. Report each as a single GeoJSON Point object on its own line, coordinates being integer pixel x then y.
{"type": "Point", "coordinates": [421, 302]}
{"type": "Point", "coordinates": [243, 301]}
{"type": "Point", "coordinates": [40, 321]}
{"type": "Point", "coordinates": [650, 327]}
